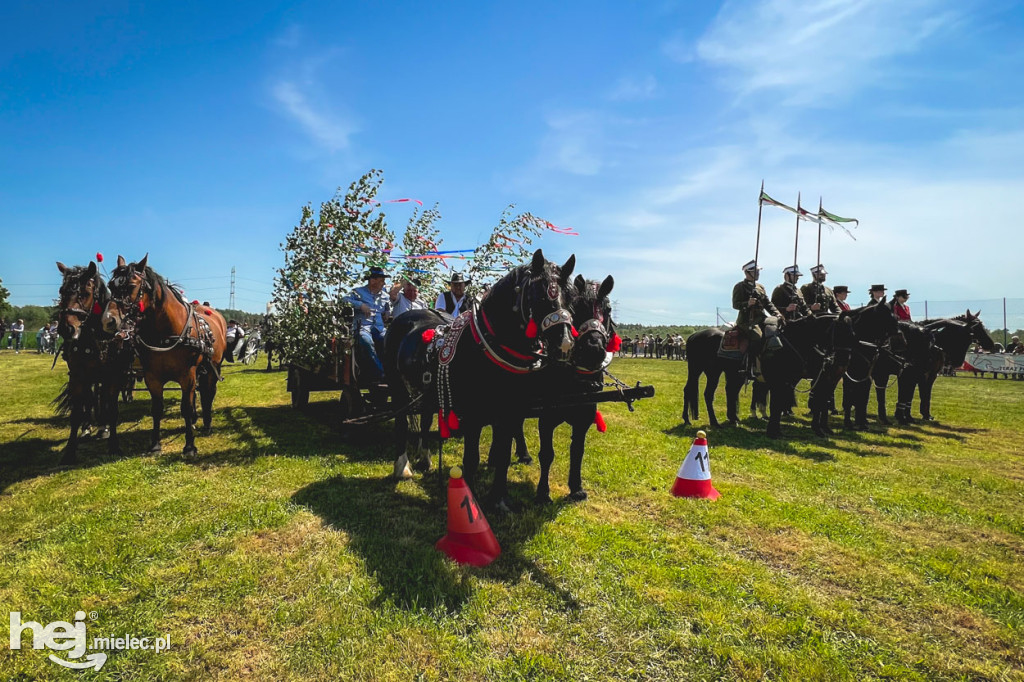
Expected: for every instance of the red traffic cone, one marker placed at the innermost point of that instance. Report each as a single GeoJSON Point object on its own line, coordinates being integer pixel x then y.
{"type": "Point", "coordinates": [694, 477]}
{"type": "Point", "coordinates": [469, 539]}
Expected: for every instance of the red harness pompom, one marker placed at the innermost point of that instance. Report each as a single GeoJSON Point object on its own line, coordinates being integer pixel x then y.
{"type": "Point", "coordinates": [599, 420]}
{"type": "Point", "coordinates": [442, 427]}
{"type": "Point", "coordinates": [574, 332]}
{"type": "Point", "coordinates": [96, 309]}
{"type": "Point", "coordinates": [453, 421]}
{"type": "Point", "coordinates": [142, 307]}
{"type": "Point", "coordinates": [531, 329]}
{"type": "Point", "coordinates": [614, 344]}
{"type": "Point", "coordinates": [428, 335]}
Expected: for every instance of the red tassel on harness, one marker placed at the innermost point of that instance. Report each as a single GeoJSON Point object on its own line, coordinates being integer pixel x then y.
{"type": "Point", "coordinates": [142, 307]}
{"type": "Point", "coordinates": [531, 329]}
{"type": "Point", "coordinates": [599, 420]}
{"type": "Point", "coordinates": [96, 309]}
{"type": "Point", "coordinates": [428, 335]}
{"type": "Point", "coordinates": [614, 344]}
{"type": "Point", "coordinates": [574, 332]}
{"type": "Point", "coordinates": [208, 311]}
{"type": "Point", "coordinates": [195, 302]}
{"type": "Point", "coordinates": [453, 421]}
{"type": "Point", "coordinates": [442, 427]}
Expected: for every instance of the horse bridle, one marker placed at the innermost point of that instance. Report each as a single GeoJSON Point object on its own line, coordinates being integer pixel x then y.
{"type": "Point", "coordinates": [129, 306]}
{"type": "Point", "coordinates": [596, 325]}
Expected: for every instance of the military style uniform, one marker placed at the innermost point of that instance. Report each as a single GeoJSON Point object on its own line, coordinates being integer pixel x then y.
{"type": "Point", "coordinates": [817, 292]}
{"type": "Point", "coordinates": [787, 293]}
{"type": "Point", "coordinates": [750, 319]}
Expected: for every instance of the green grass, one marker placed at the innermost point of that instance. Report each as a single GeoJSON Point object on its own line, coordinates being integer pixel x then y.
{"type": "Point", "coordinates": [285, 552]}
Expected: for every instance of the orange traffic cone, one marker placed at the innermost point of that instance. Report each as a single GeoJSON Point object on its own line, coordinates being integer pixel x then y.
{"type": "Point", "coordinates": [694, 477]}
{"type": "Point", "coordinates": [469, 539]}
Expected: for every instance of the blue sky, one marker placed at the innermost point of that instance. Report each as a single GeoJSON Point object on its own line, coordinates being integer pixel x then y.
{"type": "Point", "coordinates": [196, 131]}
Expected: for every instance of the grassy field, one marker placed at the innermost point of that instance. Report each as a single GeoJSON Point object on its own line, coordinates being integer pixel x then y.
{"type": "Point", "coordinates": [285, 552]}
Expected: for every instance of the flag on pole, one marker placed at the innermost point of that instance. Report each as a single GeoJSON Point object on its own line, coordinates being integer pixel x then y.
{"type": "Point", "coordinates": [831, 220]}
{"type": "Point", "coordinates": [836, 219]}
{"type": "Point", "coordinates": [765, 199]}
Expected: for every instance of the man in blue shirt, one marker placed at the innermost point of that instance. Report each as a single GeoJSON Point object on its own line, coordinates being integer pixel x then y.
{"type": "Point", "coordinates": [373, 307]}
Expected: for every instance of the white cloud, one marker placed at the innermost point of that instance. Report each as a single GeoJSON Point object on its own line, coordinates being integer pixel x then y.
{"type": "Point", "coordinates": [326, 127]}
{"type": "Point", "coordinates": [810, 48]}
{"type": "Point", "coordinates": [573, 143]}
{"type": "Point", "coordinates": [634, 88]}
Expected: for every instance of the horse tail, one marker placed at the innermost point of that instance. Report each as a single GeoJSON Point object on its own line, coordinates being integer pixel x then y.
{"type": "Point", "coordinates": [62, 403]}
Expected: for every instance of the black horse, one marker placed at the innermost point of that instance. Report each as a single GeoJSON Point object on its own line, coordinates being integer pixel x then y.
{"type": "Point", "coordinates": [953, 336]}
{"type": "Point", "coordinates": [592, 352]}
{"type": "Point", "coordinates": [481, 372]}
{"type": "Point", "coordinates": [702, 358]}
{"type": "Point", "coordinates": [96, 364]}
{"type": "Point", "coordinates": [874, 365]}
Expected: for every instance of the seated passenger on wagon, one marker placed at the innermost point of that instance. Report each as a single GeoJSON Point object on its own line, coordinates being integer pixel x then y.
{"type": "Point", "coordinates": [405, 295]}
{"type": "Point", "coordinates": [373, 308]}
{"type": "Point", "coordinates": [234, 335]}
{"type": "Point", "coordinates": [454, 301]}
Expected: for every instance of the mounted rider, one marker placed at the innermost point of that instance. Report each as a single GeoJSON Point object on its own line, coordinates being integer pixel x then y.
{"type": "Point", "coordinates": [787, 297]}
{"type": "Point", "coordinates": [820, 298]}
{"type": "Point", "coordinates": [757, 316]}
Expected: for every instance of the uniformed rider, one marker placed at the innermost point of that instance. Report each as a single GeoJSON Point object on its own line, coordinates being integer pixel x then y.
{"type": "Point", "coordinates": [754, 306]}
{"type": "Point", "coordinates": [819, 297]}
{"type": "Point", "coordinates": [787, 298]}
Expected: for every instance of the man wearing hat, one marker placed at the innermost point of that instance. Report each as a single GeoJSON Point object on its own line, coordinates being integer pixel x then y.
{"type": "Point", "coordinates": [454, 301]}
{"type": "Point", "coordinates": [841, 292]}
{"type": "Point", "coordinates": [899, 307]}
{"type": "Point", "coordinates": [405, 295]}
{"type": "Point", "coordinates": [819, 297]}
{"type": "Point", "coordinates": [876, 294]}
{"type": "Point", "coordinates": [373, 307]}
{"type": "Point", "coordinates": [754, 306]}
{"type": "Point", "coordinates": [787, 297]}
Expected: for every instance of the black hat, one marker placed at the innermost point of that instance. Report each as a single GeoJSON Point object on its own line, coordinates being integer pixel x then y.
{"type": "Point", "coordinates": [458, 278]}
{"type": "Point", "coordinates": [902, 292]}
{"type": "Point", "coordinates": [841, 289]}
{"type": "Point", "coordinates": [375, 271]}
{"type": "Point", "coordinates": [877, 287]}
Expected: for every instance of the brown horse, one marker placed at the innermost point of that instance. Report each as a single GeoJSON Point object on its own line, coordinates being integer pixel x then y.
{"type": "Point", "coordinates": [176, 341]}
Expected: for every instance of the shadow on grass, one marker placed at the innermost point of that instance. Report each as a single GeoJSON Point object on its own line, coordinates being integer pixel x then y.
{"type": "Point", "coordinates": [28, 456]}
{"type": "Point", "coordinates": [394, 531]}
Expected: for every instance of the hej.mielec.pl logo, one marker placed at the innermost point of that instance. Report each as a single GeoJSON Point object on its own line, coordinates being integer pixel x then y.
{"type": "Point", "coordinates": [71, 637]}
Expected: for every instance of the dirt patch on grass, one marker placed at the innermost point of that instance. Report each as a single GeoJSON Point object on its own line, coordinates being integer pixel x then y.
{"type": "Point", "coordinates": [288, 539]}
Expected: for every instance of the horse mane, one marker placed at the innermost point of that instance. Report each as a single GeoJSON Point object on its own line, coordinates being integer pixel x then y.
{"type": "Point", "coordinates": [74, 275]}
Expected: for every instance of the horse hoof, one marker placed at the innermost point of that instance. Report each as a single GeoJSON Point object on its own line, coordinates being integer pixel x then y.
{"type": "Point", "coordinates": [506, 505]}
{"type": "Point", "coordinates": [402, 471]}
{"type": "Point", "coordinates": [422, 464]}
{"type": "Point", "coordinates": [155, 449]}
{"type": "Point", "coordinates": [189, 451]}
{"type": "Point", "coordinates": [105, 434]}
{"type": "Point", "coordinates": [524, 458]}
{"type": "Point", "coordinates": [578, 495]}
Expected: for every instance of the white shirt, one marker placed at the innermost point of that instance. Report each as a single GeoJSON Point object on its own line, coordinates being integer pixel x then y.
{"type": "Point", "coordinates": [439, 305]}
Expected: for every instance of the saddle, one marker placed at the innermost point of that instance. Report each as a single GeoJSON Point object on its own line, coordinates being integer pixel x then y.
{"type": "Point", "coordinates": [734, 345]}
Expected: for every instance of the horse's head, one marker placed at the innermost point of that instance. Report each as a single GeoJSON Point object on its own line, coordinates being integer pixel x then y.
{"type": "Point", "coordinates": [545, 291]}
{"type": "Point", "coordinates": [82, 295]}
{"type": "Point", "coordinates": [978, 332]}
{"type": "Point", "coordinates": [592, 320]}
{"type": "Point", "coordinates": [130, 293]}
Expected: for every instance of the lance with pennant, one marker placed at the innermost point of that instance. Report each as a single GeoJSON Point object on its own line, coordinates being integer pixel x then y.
{"type": "Point", "coordinates": [760, 205]}
{"type": "Point", "coordinates": [796, 241]}
{"type": "Point", "coordinates": [819, 232]}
